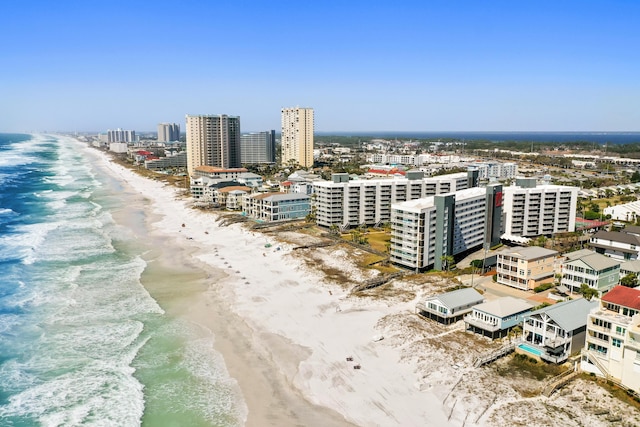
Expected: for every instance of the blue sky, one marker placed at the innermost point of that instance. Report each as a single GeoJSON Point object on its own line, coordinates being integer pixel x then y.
{"type": "Point", "coordinates": [362, 65]}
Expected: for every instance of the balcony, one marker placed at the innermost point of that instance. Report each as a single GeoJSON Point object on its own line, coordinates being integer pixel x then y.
{"type": "Point", "coordinates": [555, 342]}
{"type": "Point", "coordinates": [473, 321]}
{"type": "Point", "coordinates": [554, 359]}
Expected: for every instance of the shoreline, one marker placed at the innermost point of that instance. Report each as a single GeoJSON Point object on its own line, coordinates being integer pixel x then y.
{"type": "Point", "coordinates": [269, 395]}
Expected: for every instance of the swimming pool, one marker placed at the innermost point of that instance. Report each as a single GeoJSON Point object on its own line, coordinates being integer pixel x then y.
{"type": "Point", "coordinates": [530, 349]}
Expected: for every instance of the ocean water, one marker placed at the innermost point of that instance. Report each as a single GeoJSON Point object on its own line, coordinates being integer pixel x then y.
{"type": "Point", "coordinates": [82, 342]}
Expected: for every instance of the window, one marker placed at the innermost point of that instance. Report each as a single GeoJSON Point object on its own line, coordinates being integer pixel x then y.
{"type": "Point", "coordinates": [616, 342]}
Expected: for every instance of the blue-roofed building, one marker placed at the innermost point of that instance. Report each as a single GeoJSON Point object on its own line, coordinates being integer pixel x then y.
{"type": "Point", "coordinates": [555, 332]}
{"type": "Point", "coordinates": [451, 306]}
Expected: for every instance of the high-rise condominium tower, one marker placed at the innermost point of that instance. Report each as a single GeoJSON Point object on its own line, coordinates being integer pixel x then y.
{"type": "Point", "coordinates": [168, 132]}
{"type": "Point", "coordinates": [213, 140]}
{"type": "Point", "coordinates": [297, 136]}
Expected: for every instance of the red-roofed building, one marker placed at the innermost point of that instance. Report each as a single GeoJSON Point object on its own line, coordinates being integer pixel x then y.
{"type": "Point", "coordinates": [386, 172]}
{"type": "Point", "coordinates": [621, 296]}
{"type": "Point", "coordinates": [215, 172]}
{"type": "Point", "coordinates": [612, 348]}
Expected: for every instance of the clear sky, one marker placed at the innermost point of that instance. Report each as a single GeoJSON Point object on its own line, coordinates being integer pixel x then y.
{"type": "Point", "coordinates": [362, 65]}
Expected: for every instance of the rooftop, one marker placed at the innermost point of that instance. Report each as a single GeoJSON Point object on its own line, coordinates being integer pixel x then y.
{"type": "Point", "coordinates": [529, 253]}
{"type": "Point", "coordinates": [504, 306]}
{"type": "Point", "coordinates": [459, 297]}
{"type": "Point", "coordinates": [626, 297]}
{"type": "Point", "coordinates": [569, 315]}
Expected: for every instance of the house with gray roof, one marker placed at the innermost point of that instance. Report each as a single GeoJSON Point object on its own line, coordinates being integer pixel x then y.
{"type": "Point", "coordinates": [593, 269]}
{"type": "Point", "coordinates": [555, 332]}
{"type": "Point", "coordinates": [496, 318]}
{"type": "Point", "coordinates": [630, 267]}
{"type": "Point", "coordinates": [616, 244]}
{"type": "Point", "coordinates": [451, 306]}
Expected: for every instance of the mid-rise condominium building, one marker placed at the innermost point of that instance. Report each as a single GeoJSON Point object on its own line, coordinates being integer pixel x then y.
{"type": "Point", "coordinates": [533, 210]}
{"type": "Point", "coordinates": [349, 203]}
{"type": "Point", "coordinates": [612, 348]}
{"type": "Point", "coordinates": [258, 147]}
{"type": "Point", "coordinates": [297, 136]}
{"type": "Point", "coordinates": [168, 132]}
{"type": "Point", "coordinates": [425, 232]}
{"type": "Point", "coordinates": [213, 140]}
{"type": "Point", "coordinates": [277, 206]}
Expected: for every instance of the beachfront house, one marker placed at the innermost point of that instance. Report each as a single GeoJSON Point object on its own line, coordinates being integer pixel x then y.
{"type": "Point", "coordinates": [526, 267]}
{"type": "Point", "coordinates": [494, 319]}
{"type": "Point", "coordinates": [555, 332]}
{"type": "Point", "coordinates": [587, 267]}
{"type": "Point", "coordinates": [612, 348]}
{"type": "Point", "coordinates": [277, 206]}
{"type": "Point", "coordinates": [451, 306]}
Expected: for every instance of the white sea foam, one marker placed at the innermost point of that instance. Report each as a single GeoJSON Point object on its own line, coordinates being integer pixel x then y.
{"type": "Point", "coordinates": [23, 241]}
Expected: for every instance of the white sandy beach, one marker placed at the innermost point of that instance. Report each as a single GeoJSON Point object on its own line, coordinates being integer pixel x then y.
{"type": "Point", "coordinates": [286, 332]}
{"type": "Point", "coordinates": [300, 332]}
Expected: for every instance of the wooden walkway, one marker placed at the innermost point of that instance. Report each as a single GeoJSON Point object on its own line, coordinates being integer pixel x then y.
{"type": "Point", "coordinates": [496, 354]}
{"type": "Point", "coordinates": [559, 381]}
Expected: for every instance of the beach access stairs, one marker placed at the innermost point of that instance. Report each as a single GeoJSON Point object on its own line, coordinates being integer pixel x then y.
{"type": "Point", "coordinates": [496, 354]}
{"type": "Point", "coordinates": [559, 381]}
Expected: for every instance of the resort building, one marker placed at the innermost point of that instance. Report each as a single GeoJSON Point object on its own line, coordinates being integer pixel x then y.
{"type": "Point", "coordinates": [587, 267]}
{"type": "Point", "coordinates": [216, 172]}
{"type": "Point", "coordinates": [533, 210]}
{"type": "Point", "coordinates": [612, 348]}
{"type": "Point", "coordinates": [620, 245]}
{"type": "Point", "coordinates": [297, 136]}
{"type": "Point", "coordinates": [526, 268]}
{"type": "Point", "coordinates": [451, 306]}
{"type": "Point", "coordinates": [258, 147]}
{"type": "Point", "coordinates": [425, 232]}
{"type": "Point", "coordinates": [496, 318]}
{"type": "Point", "coordinates": [271, 207]}
{"type": "Point", "coordinates": [555, 332]}
{"type": "Point", "coordinates": [350, 203]}
{"type": "Point", "coordinates": [213, 140]}
{"type": "Point", "coordinates": [168, 132]}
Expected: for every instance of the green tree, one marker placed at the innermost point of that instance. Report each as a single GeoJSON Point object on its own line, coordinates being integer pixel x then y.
{"type": "Point", "coordinates": [635, 177]}
{"type": "Point", "coordinates": [630, 280]}
{"type": "Point", "coordinates": [448, 262]}
{"type": "Point", "coordinates": [587, 292]}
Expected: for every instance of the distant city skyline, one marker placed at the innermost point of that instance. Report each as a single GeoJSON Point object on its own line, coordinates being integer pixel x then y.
{"type": "Point", "coordinates": [408, 66]}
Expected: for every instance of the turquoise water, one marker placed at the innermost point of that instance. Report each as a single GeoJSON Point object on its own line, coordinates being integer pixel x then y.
{"type": "Point", "coordinates": [82, 342]}
{"type": "Point", "coordinates": [530, 349]}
